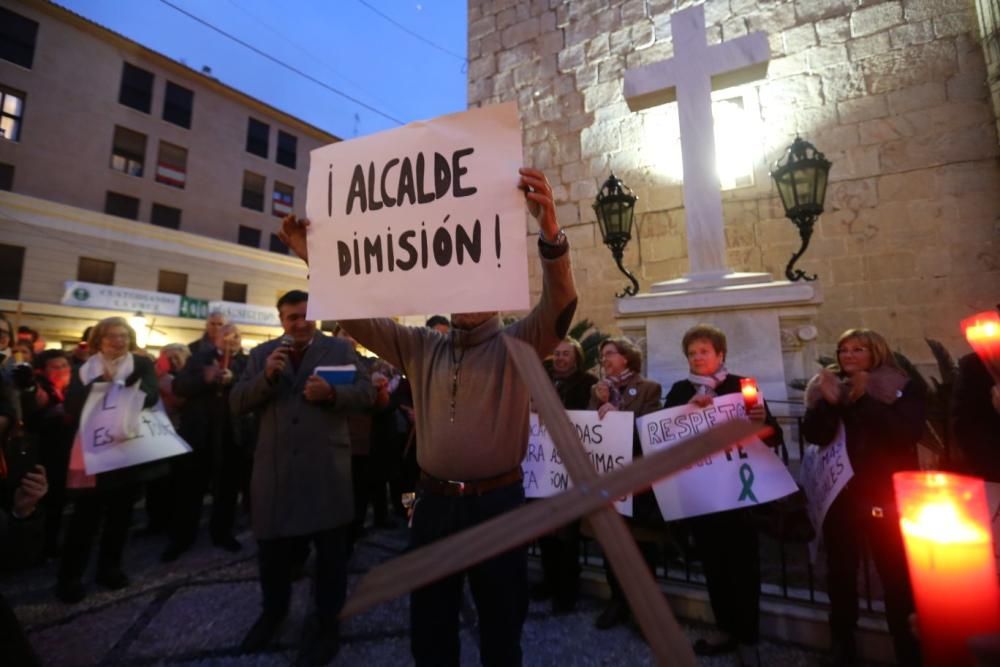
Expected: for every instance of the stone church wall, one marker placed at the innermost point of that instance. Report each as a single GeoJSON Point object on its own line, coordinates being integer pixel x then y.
{"type": "Point", "coordinates": [894, 93]}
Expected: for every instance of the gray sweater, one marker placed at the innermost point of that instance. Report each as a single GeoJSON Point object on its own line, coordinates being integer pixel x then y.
{"type": "Point", "coordinates": [489, 434]}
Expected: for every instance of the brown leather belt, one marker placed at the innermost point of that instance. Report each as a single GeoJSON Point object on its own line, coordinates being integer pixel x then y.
{"type": "Point", "coordinates": [476, 487]}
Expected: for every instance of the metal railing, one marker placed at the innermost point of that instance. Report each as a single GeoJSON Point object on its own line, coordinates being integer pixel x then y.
{"type": "Point", "coordinates": [787, 572]}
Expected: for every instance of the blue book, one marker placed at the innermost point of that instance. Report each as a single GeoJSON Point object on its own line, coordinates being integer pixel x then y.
{"type": "Point", "coordinates": [337, 374]}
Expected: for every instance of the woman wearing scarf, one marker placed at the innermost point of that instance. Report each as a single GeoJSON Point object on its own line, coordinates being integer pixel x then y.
{"type": "Point", "coordinates": [109, 497]}
{"type": "Point", "coordinates": [882, 412]}
{"type": "Point", "coordinates": [624, 389]}
{"type": "Point", "coordinates": [727, 542]}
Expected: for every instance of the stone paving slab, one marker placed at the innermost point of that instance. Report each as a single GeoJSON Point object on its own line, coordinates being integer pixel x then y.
{"type": "Point", "coordinates": [194, 613]}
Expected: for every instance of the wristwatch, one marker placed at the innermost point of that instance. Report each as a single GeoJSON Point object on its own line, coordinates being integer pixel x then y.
{"type": "Point", "coordinates": [557, 241]}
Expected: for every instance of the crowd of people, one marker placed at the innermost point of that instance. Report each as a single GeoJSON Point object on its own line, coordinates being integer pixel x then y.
{"type": "Point", "coordinates": [440, 417]}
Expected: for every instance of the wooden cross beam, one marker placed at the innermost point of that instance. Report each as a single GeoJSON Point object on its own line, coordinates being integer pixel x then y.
{"type": "Point", "coordinates": [591, 495]}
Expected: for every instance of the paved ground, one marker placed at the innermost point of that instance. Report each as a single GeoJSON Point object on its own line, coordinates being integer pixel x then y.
{"type": "Point", "coordinates": [195, 612]}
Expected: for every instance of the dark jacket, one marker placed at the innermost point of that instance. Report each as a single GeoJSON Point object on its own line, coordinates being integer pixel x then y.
{"type": "Point", "coordinates": [574, 389]}
{"type": "Point", "coordinates": [975, 423]}
{"type": "Point", "coordinates": [206, 421]}
{"type": "Point", "coordinates": [302, 464]}
{"type": "Point", "coordinates": [881, 438]}
{"type": "Point", "coordinates": [144, 374]}
{"type": "Point", "coordinates": [682, 392]}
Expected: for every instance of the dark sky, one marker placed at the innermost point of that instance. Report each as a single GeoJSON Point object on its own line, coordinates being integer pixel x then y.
{"type": "Point", "coordinates": [345, 44]}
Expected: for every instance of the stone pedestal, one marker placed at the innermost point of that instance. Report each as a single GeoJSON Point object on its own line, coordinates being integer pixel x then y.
{"type": "Point", "coordinates": [770, 326]}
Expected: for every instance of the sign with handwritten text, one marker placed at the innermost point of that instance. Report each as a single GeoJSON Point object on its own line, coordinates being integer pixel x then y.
{"type": "Point", "coordinates": [823, 474]}
{"type": "Point", "coordinates": [741, 476]}
{"type": "Point", "coordinates": [117, 433]}
{"type": "Point", "coordinates": [425, 218]}
{"type": "Point", "coordinates": [608, 443]}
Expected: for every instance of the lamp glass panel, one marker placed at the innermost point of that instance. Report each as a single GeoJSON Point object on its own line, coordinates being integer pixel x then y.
{"type": "Point", "coordinates": [784, 183]}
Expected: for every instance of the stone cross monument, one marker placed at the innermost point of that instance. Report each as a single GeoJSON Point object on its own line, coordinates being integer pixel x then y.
{"type": "Point", "coordinates": [689, 78]}
{"type": "Point", "coordinates": [769, 324]}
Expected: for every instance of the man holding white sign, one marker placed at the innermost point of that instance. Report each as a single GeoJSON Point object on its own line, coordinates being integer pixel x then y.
{"type": "Point", "coordinates": [471, 407]}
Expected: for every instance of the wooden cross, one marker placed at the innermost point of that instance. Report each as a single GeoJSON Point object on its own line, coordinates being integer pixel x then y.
{"type": "Point", "coordinates": [591, 495]}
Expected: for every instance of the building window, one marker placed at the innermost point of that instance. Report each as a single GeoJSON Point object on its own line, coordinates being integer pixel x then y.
{"type": "Point", "coordinates": [253, 191]}
{"type": "Point", "coordinates": [171, 282]}
{"type": "Point", "coordinates": [257, 137]}
{"type": "Point", "coordinates": [98, 271]}
{"type": "Point", "coordinates": [286, 149]}
{"type": "Point", "coordinates": [177, 104]}
{"type": "Point", "coordinates": [249, 237]}
{"type": "Point", "coordinates": [11, 114]}
{"type": "Point", "coordinates": [17, 38]}
{"type": "Point", "coordinates": [282, 200]}
{"type": "Point", "coordinates": [277, 245]}
{"type": "Point", "coordinates": [11, 270]}
{"type": "Point", "coordinates": [171, 165]}
{"type": "Point", "coordinates": [137, 88]}
{"type": "Point", "coordinates": [128, 152]}
{"type": "Point", "coordinates": [234, 292]}
{"type": "Point", "coordinates": [121, 205]}
{"type": "Point", "coordinates": [6, 176]}
{"type": "Point", "coordinates": [166, 216]}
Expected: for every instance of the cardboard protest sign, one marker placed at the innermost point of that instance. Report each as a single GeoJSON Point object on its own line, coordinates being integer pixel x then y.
{"type": "Point", "coordinates": [741, 476]}
{"type": "Point", "coordinates": [426, 218]}
{"type": "Point", "coordinates": [608, 443]}
{"type": "Point", "coordinates": [823, 474]}
{"type": "Point", "coordinates": [107, 436]}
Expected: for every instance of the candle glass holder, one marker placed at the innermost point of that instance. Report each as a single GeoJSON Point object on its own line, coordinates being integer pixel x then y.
{"type": "Point", "coordinates": [945, 523]}
{"type": "Point", "coordinates": [750, 391]}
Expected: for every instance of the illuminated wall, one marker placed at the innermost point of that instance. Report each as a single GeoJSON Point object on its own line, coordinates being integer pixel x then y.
{"type": "Point", "coordinates": [894, 93]}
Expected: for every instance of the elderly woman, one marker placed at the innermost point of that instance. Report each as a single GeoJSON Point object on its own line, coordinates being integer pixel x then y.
{"type": "Point", "coordinates": [882, 413]}
{"type": "Point", "coordinates": [110, 498]}
{"type": "Point", "coordinates": [727, 542]}
{"type": "Point", "coordinates": [623, 388]}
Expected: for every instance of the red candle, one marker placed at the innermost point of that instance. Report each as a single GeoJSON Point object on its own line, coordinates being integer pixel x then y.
{"type": "Point", "coordinates": [949, 548]}
{"type": "Point", "coordinates": [982, 330]}
{"type": "Point", "coordinates": [751, 394]}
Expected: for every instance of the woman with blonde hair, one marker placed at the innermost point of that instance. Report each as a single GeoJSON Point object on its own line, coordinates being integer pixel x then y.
{"type": "Point", "coordinates": [109, 497]}
{"type": "Point", "coordinates": [882, 414]}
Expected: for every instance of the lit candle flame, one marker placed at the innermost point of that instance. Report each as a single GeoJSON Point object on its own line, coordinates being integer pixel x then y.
{"type": "Point", "coordinates": [940, 521]}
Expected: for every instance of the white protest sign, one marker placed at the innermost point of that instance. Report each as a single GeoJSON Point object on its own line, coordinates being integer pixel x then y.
{"type": "Point", "coordinates": [608, 443]}
{"type": "Point", "coordinates": [823, 474]}
{"type": "Point", "coordinates": [741, 476]}
{"type": "Point", "coordinates": [105, 412]}
{"type": "Point", "coordinates": [426, 218]}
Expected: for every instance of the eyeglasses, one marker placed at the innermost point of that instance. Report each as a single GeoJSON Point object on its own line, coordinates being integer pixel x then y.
{"type": "Point", "coordinates": [610, 353]}
{"type": "Point", "coordinates": [852, 350]}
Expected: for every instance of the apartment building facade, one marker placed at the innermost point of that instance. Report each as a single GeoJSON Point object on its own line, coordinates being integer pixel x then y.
{"type": "Point", "coordinates": [127, 175]}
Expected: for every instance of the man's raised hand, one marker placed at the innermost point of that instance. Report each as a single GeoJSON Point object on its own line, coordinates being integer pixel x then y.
{"type": "Point", "coordinates": [538, 194]}
{"type": "Point", "coordinates": [293, 235]}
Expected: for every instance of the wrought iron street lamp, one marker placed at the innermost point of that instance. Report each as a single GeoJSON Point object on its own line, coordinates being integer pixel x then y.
{"type": "Point", "coordinates": [801, 182]}
{"type": "Point", "coordinates": [615, 209]}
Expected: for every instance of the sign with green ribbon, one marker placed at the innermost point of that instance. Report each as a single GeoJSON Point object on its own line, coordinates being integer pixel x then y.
{"type": "Point", "coordinates": [709, 485]}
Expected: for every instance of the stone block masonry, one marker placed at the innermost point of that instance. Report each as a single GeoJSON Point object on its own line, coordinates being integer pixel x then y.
{"type": "Point", "coordinates": [898, 94]}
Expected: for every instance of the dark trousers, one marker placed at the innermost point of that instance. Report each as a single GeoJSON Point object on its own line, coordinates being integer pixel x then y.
{"type": "Point", "coordinates": [848, 525]}
{"type": "Point", "coordinates": [278, 558]}
{"type": "Point", "coordinates": [729, 549]}
{"type": "Point", "coordinates": [14, 645]}
{"type": "Point", "coordinates": [650, 553]}
{"type": "Point", "coordinates": [189, 479]}
{"type": "Point", "coordinates": [499, 585]}
{"type": "Point", "coordinates": [113, 507]}
{"type": "Point", "coordinates": [226, 473]}
{"type": "Point", "coordinates": [561, 564]}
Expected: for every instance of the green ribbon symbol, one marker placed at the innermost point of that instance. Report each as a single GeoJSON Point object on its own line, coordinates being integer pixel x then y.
{"type": "Point", "coordinates": [746, 477]}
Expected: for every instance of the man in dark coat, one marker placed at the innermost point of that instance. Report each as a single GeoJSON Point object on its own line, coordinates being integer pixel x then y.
{"type": "Point", "coordinates": [213, 327]}
{"type": "Point", "coordinates": [301, 484]}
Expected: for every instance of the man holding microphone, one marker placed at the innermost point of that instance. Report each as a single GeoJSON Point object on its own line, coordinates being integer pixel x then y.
{"type": "Point", "coordinates": [301, 485]}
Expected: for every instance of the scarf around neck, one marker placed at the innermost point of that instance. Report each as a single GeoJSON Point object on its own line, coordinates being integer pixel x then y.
{"type": "Point", "coordinates": [617, 383]}
{"type": "Point", "coordinates": [706, 384]}
{"type": "Point", "coordinates": [119, 369]}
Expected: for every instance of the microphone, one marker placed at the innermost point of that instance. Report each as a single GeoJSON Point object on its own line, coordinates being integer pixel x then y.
{"type": "Point", "coordinates": [286, 341]}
